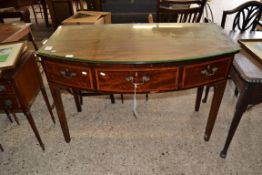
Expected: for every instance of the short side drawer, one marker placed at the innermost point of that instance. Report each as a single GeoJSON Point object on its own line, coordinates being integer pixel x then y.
{"type": "Point", "coordinates": [6, 87]}
{"type": "Point", "coordinates": [147, 79]}
{"type": "Point", "coordinates": [206, 72]}
{"type": "Point", "coordinates": [69, 74]}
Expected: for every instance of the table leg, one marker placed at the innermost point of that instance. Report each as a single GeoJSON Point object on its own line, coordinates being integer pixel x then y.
{"type": "Point", "coordinates": [33, 126]}
{"type": "Point", "coordinates": [198, 98]}
{"type": "Point", "coordinates": [241, 107]}
{"type": "Point", "coordinates": [219, 89]}
{"type": "Point", "coordinates": [77, 97]}
{"type": "Point", "coordinates": [43, 2]}
{"type": "Point", "coordinates": [60, 110]}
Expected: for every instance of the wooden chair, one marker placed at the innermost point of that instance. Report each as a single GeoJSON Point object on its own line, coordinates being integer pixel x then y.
{"type": "Point", "coordinates": [180, 11]}
{"type": "Point", "coordinates": [93, 5]}
{"type": "Point", "coordinates": [245, 72]}
{"type": "Point", "coordinates": [37, 9]}
{"type": "Point", "coordinates": [247, 18]}
{"type": "Point", "coordinates": [59, 11]}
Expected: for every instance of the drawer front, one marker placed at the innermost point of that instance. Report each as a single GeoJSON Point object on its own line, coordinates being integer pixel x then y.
{"type": "Point", "coordinates": [9, 103]}
{"type": "Point", "coordinates": [6, 88]}
{"type": "Point", "coordinates": [146, 79]}
{"type": "Point", "coordinates": [69, 74]}
{"type": "Point", "coordinates": [204, 73]}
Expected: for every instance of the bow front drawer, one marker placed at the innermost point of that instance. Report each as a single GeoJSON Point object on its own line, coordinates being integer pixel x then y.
{"type": "Point", "coordinates": [6, 88]}
{"type": "Point", "coordinates": [206, 72]}
{"type": "Point", "coordinates": [145, 79]}
{"type": "Point", "coordinates": [73, 75]}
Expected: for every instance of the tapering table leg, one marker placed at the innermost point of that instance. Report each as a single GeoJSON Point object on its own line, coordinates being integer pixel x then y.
{"type": "Point", "coordinates": [60, 110]}
{"type": "Point", "coordinates": [219, 89]}
{"type": "Point", "coordinates": [198, 98]}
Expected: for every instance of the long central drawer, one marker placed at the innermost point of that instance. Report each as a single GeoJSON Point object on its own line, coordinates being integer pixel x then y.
{"type": "Point", "coordinates": [145, 79]}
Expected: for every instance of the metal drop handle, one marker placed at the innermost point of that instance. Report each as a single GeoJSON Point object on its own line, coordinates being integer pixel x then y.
{"type": "Point", "coordinates": [209, 71]}
{"type": "Point", "coordinates": [131, 79]}
{"type": "Point", "coordinates": [68, 74]}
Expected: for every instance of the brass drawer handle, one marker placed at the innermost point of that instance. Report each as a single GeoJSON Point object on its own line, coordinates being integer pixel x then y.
{"type": "Point", "coordinates": [131, 79]}
{"type": "Point", "coordinates": [209, 71]}
{"type": "Point", "coordinates": [68, 74]}
{"type": "Point", "coordinates": [2, 88]}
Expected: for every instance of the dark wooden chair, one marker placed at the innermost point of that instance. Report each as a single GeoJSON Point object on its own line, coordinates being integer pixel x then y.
{"type": "Point", "coordinates": [93, 5]}
{"type": "Point", "coordinates": [180, 11]}
{"type": "Point", "coordinates": [59, 11]}
{"type": "Point", "coordinates": [247, 17]}
{"type": "Point", "coordinates": [37, 9]}
{"type": "Point", "coordinates": [245, 72]}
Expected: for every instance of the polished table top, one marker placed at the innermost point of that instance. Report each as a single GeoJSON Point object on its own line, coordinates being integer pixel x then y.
{"type": "Point", "coordinates": [138, 43]}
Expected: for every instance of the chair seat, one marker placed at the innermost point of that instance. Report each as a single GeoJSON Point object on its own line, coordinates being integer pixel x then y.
{"type": "Point", "coordinates": [250, 70]}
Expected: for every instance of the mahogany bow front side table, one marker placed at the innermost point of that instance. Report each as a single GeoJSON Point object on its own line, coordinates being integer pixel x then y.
{"type": "Point", "coordinates": [155, 58]}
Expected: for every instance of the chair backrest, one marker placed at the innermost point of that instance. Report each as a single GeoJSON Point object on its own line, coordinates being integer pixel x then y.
{"type": "Point", "coordinates": [60, 10]}
{"type": "Point", "coordinates": [94, 5]}
{"type": "Point", "coordinates": [180, 11]}
{"type": "Point", "coordinates": [247, 16]}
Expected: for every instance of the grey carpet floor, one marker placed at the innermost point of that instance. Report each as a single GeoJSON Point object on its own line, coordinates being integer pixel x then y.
{"type": "Point", "coordinates": [166, 138]}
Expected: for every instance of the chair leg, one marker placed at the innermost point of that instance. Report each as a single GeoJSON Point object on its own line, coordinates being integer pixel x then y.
{"type": "Point", "coordinates": [241, 107]}
{"type": "Point", "coordinates": [34, 12]}
{"type": "Point", "coordinates": [112, 97]}
{"type": "Point", "coordinates": [206, 94]}
{"type": "Point", "coordinates": [146, 97]}
{"type": "Point", "coordinates": [8, 115]}
{"type": "Point", "coordinates": [122, 98]}
{"type": "Point", "coordinates": [1, 148]}
{"type": "Point", "coordinates": [40, 9]}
